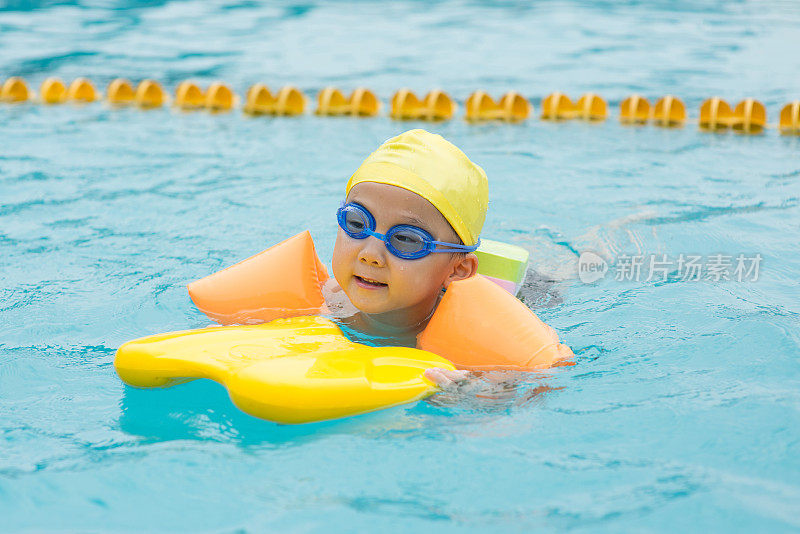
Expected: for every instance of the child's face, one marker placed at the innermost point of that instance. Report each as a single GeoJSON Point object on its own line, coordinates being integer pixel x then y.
{"type": "Point", "coordinates": [378, 282]}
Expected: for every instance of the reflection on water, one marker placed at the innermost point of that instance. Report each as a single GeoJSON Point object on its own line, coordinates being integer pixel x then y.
{"type": "Point", "coordinates": [202, 410]}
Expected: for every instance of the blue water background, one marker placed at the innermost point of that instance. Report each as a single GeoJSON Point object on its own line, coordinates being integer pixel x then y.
{"type": "Point", "coordinates": [682, 412]}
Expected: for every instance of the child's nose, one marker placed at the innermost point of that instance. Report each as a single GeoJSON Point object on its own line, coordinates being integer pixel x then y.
{"type": "Point", "coordinates": [373, 252]}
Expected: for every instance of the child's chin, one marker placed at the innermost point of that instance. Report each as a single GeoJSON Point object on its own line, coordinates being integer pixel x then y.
{"type": "Point", "coordinates": [369, 305]}
{"type": "Point", "coordinates": [372, 308]}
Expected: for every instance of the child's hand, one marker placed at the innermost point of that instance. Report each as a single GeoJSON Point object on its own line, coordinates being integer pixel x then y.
{"type": "Point", "coordinates": [484, 391]}
{"type": "Point", "coordinates": [446, 379]}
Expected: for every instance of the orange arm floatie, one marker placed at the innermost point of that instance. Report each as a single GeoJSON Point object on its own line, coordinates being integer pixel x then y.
{"type": "Point", "coordinates": [480, 326]}
{"type": "Point", "coordinates": [283, 281]}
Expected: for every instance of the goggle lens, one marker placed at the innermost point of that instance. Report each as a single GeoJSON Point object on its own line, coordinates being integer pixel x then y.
{"type": "Point", "coordinates": [407, 241]}
{"type": "Point", "coordinates": [356, 223]}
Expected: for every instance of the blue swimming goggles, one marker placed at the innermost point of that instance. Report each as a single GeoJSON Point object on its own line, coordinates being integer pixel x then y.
{"type": "Point", "coordinates": [403, 240]}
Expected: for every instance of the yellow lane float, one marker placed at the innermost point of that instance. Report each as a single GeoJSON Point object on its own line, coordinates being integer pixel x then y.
{"type": "Point", "coordinates": [14, 90]}
{"type": "Point", "coordinates": [219, 98]}
{"type": "Point", "coordinates": [591, 107]}
{"type": "Point", "coordinates": [749, 116]}
{"type": "Point", "coordinates": [53, 91]}
{"type": "Point", "coordinates": [634, 110]}
{"type": "Point", "coordinates": [331, 101]}
{"type": "Point", "coordinates": [436, 106]}
{"type": "Point", "coordinates": [149, 94]}
{"type": "Point", "coordinates": [120, 92]}
{"type": "Point", "coordinates": [189, 96]}
{"type": "Point", "coordinates": [511, 107]}
{"type": "Point", "coordinates": [81, 90]}
{"type": "Point", "coordinates": [669, 112]}
{"type": "Point", "coordinates": [557, 106]}
{"type": "Point", "coordinates": [362, 102]}
{"type": "Point", "coordinates": [260, 101]}
{"type": "Point", "coordinates": [789, 122]}
{"type": "Point", "coordinates": [289, 371]}
{"type": "Point", "coordinates": [715, 114]}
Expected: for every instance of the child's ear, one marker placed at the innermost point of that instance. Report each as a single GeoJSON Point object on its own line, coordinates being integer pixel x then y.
{"type": "Point", "coordinates": [463, 267]}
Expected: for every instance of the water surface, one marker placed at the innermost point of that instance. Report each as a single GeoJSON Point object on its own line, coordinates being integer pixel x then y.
{"type": "Point", "coordinates": [682, 410]}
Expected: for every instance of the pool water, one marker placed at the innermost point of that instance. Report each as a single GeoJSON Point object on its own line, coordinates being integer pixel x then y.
{"type": "Point", "coordinates": [683, 409]}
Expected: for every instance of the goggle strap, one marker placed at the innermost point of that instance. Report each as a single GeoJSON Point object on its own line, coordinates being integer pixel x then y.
{"type": "Point", "coordinates": [456, 248]}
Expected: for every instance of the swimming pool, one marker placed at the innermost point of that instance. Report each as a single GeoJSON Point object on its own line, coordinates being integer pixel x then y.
{"type": "Point", "coordinates": [682, 410]}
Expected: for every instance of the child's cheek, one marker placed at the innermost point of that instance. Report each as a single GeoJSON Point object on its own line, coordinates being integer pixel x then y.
{"type": "Point", "coordinates": [340, 266]}
{"type": "Point", "coordinates": [409, 277]}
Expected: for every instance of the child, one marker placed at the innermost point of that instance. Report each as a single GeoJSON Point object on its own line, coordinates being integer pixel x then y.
{"type": "Point", "coordinates": [408, 227]}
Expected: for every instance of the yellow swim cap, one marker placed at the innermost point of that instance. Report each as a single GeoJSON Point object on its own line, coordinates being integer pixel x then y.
{"type": "Point", "coordinates": [435, 169]}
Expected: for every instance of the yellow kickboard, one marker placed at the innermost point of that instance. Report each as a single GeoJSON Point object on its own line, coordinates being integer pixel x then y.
{"type": "Point", "coordinates": [289, 371]}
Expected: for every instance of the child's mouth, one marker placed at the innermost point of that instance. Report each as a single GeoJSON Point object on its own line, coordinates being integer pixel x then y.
{"type": "Point", "coordinates": [368, 283]}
